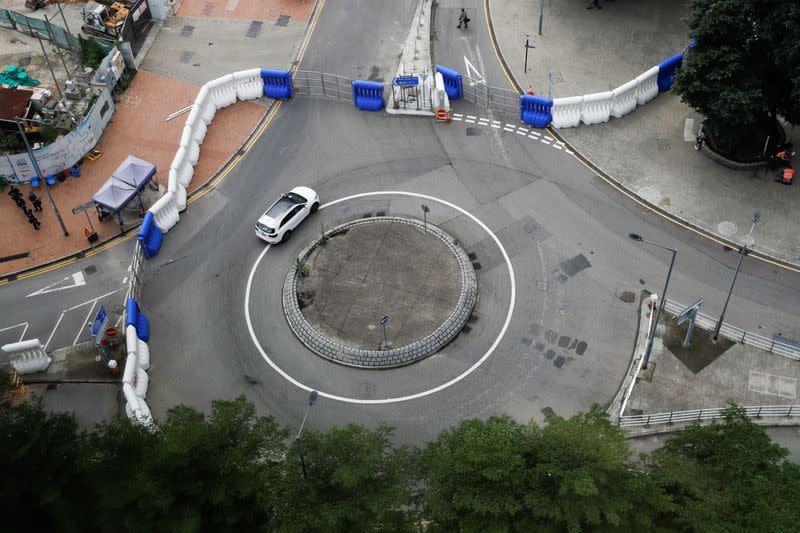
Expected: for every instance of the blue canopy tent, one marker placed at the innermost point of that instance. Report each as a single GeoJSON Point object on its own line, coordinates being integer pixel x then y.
{"type": "Point", "coordinates": [123, 186]}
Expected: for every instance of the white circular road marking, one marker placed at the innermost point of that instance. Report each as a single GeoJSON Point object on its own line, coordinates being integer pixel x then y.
{"type": "Point", "coordinates": [428, 392]}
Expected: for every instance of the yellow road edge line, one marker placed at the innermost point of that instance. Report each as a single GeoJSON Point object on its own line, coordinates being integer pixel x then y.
{"type": "Point", "coordinates": [669, 217]}
{"type": "Point", "coordinates": [211, 185]}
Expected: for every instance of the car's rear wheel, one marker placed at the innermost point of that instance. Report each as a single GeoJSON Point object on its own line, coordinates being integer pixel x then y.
{"type": "Point", "coordinates": [286, 235]}
{"type": "Point", "coordinates": [314, 207]}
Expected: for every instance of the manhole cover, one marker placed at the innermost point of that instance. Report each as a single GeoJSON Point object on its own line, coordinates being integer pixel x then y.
{"type": "Point", "coordinates": [627, 296]}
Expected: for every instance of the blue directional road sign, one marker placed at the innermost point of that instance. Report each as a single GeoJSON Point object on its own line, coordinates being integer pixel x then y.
{"type": "Point", "coordinates": [384, 320]}
{"type": "Point", "coordinates": [99, 322]}
{"type": "Point", "coordinates": [406, 81]}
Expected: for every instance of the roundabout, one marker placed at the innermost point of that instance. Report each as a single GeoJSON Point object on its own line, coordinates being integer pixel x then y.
{"type": "Point", "coordinates": [362, 269]}
{"type": "Point", "coordinates": [423, 345]}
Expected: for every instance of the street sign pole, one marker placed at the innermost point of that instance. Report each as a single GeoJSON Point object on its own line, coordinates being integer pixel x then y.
{"type": "Point", "coordinates": [425, 211]}
{"type": "Point", "coordinates": [383, 321]}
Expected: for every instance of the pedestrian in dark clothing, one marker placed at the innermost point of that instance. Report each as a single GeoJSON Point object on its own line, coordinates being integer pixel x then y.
{"type": "Point", "coordinates": [20, 202]}
{"type": "Point", "coordinates": [32, 219]}
{"type": "Point", "coordinates": [36, 201]}
{"type": "Point", "coordinates": [463, 19]}
{"type": "Point", "coordinates": [595, 3]}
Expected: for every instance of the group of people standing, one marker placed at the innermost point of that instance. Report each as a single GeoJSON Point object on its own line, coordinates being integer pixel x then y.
{"type": "Point", "coordinates": [16, 195]}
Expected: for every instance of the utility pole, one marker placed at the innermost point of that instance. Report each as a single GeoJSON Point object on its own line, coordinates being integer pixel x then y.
{"type": "Point", "coordinates": [58, 48]}
{"type": "Point", "coordinates": [41, 177]}
{"type": "Point", "coordinates": [66, 26]}
{"type": "Point", "coordinates": [541, 15]}
{"type": "Point", "coordinates": [55, 81]}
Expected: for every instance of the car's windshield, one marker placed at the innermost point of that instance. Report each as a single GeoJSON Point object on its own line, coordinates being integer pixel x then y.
{"type": "Point", "coordinates": [286, 202]}
{"type": "Point", "coordinates": [264, 228]}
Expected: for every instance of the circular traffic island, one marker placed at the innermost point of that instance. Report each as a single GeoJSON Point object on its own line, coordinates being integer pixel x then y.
{"type": "Point", "coordinates": [383, 272]}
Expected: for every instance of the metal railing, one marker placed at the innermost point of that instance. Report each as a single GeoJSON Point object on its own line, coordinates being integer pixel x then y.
{"type": "Point", "coordinates": [45, 30]}
{"type": "Point", "coordinates": [699, 415]}
{"type": "Point", "coordinates": [135, 277]}
{"type": "Point", "coordinates": [739, 335]}
{"type": "Point", "coordinates": [489, 97]}
{"type": "Point", "coordinates": [314, 83]}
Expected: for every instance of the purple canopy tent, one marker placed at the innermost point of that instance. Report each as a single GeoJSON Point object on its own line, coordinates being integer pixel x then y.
{"type": "Point", "coordinates": [124, 185]}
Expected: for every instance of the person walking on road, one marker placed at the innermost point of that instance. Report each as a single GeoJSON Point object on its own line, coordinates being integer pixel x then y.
{"type": "Point", "coordinates": [595, 3]}
{"type": "Point", "coordinates": [463, 19]}
{"type": "Point", "coordinates": [36, 201]}
{"type": "Point", "coordinates": [20, 202]}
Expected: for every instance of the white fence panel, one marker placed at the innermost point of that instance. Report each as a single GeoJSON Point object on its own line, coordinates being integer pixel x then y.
{"type": "Point", "coordinates": [249, 84]}
{"type": "Point", "coordinates": [191, 146]}
{"type": "Point", "coordinates": [182, 167]}
{"type": "Point", "coordinates": [165, 212]}
{"type": "Point", "coordinates": [623, 99]}
{"type": "Point", "coordinates": [27, 357]}
{"type": "Point", "coordinates": [206, 105]}
{"type": "Point", "coordinates": [596, 108]}
{"type": "Point", "coordinates": [222, 90]}
{"type": "Point", "coordinates": [567, 111]}
{"type": "Point", "coordinates": [647, 86]}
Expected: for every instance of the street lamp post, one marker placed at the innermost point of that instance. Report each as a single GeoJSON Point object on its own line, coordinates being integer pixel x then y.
{"type": "Point", "coordinates": [662, 303]}
{"type": "Point", "coordinates": [742, 253]}
{"type": "Point", "coordinates": [312, 398]}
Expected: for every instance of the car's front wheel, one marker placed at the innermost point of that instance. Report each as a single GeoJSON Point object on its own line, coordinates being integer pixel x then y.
{"type": "Point", "coordinates": [286, 235]}
{"type": "Point", "coordinates": [314, 207]}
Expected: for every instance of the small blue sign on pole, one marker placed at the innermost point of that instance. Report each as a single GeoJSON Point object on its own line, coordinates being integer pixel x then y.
{"type": "Point", "coordinates": [384, 320]}
{"type": "Point", "coordinates": [99, 322]}
{"type": "Point", "coordinates": [405, 81]}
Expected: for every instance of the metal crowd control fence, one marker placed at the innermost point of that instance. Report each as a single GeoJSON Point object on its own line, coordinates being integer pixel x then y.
{"type": "Point", "coordinates": [698, 415]}
{"type": "Point", "coordinates": [135, 273]}
{"type": "Point", "coordinates": [497, 99]}
{"type": "Point", "coordinates": [45, 30]}
{"type": "Point", "coordinates": [322, 84]}
{"type": "Point", "coordinates": [739, 335]}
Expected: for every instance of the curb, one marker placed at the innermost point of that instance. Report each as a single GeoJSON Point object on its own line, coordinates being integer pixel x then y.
{"type": "Point", "coordinates": [671, 217]}
{"type": "Point", "coordinates": [88, 252]}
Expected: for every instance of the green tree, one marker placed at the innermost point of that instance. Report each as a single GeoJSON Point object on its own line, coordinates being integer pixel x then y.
{"type": "Point", "coordinates": [43, 485]}
{"type": "Point", "coordinates": [744, 70]}
{"type": "Point", "coordinates": [193, 473]}
{"type": "Point", "coordinates": [571, 474]}
{"type": "Point", "coordinates": [357, 481]}
{"type": "Point", "coordinates": [728, 477]}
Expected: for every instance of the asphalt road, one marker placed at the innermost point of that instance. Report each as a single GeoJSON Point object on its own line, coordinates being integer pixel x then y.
{"type": "Point", "coordinates": [550, 331]}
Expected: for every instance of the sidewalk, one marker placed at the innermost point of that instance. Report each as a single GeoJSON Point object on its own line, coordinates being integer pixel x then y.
{"type": "Point", "coordinates": [207, 39]}
{"type": "Point", "coordinates": [646, 151]}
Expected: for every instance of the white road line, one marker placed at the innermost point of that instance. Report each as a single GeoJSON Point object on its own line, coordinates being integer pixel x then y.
{"type": "Point", "coordinates": [496, 122]}
{"type": "Point", "coordinates": [470, 121]}
{"type": "Point", "coordinates": [90, 301]}
{"type": "Point", "coordinates": [508, 129]}
{"type": "Point", "coordinates": [26, 324]}
{"type": "Point", "coordinates": [496, 126]}
{"type": "Point", "coordinates": [118, 321]}
{"type": "Point", "coordinates": [83, 324]}
{"type": "Point", "coordinates": [457, 115]}
{"type": "Point", "coordinates": [125, 280]}
{"type": "Point", "coordinates": [549, 138]}
{"type": "Point", "coordinates": [535, 133]}
{"type": "Point", "coordinates": [523, 133]}
{"type": "Point", "coordinates": [557, 147]}
{"type": "Point", "coordinates": [54, 330]}
{"type": "Point", "coordinates": [545, 141]}
{"type": "Point", "coordinates": [473, 117]}
{"type": "Point", "coordinates": [467, 372]}
{"type": "Point", "coordinates": [483, 121]}
{"type": "Point", "coordinates": [459, 119]}
{"type": "Point", "coordinates": [569, 151]}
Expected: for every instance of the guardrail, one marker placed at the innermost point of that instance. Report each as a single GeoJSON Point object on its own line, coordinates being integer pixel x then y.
{"type": "Point", "coordinates": [489, 97]}
{"type": "Point", "coordinates": [313, 83]}
{"type": "Point", "coordinates": [739, 335]}
{"type": "Point", "coordinates": [699, 415]}
{"type": "Point", "coordinates": [135, 274]}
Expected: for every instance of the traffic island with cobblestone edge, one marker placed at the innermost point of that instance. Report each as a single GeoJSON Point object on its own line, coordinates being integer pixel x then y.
{"type": "Point", "coordinates": [354, 350]}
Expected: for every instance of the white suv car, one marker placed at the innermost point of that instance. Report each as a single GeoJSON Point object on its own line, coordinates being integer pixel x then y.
{"type": "Point", "coordinates": [277, 222]}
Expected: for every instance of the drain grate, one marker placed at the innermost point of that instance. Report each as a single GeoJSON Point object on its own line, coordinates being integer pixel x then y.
{"type": "Point", "coordinates": [187, 30]}
{"type": "Point", "coordinates": [283, 20]}
{"type": "Point", "coordinates": [254, 29]}
{"type": "Point", "coordinates": [186, 57]}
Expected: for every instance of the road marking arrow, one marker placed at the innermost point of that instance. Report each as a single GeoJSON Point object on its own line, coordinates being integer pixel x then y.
{"type": "Point", "coordinates": [70, 282]}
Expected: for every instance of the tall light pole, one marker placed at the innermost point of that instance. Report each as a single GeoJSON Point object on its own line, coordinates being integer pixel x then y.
{"type": "Point", "coordinates": [662, 303]}
{"type": "Point", "coordinates": [742, 253]}
{"type": "Point", "coordinates": [40, 176]}
{"type": "Point", "coordinates": [312, 398]}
